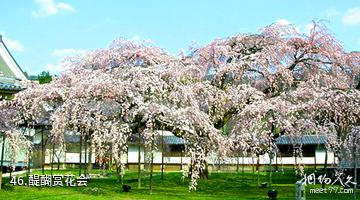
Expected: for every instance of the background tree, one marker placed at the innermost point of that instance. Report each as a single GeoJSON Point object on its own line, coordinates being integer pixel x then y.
{"type": "Point", "coordinates": [44, 77]}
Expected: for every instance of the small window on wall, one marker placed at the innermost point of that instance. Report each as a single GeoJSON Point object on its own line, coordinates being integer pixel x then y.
{"type": "Point", "coordinates": [286, 150]}
{"type": "Point", "coordinates": [309, 150]}
{"type": "Point", "coordinates": [175, 150]}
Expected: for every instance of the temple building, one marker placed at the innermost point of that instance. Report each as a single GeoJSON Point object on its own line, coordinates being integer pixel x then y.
{"type": "Point", "coordinates": [11, 77]}
{"type": "Point", "coordinates": [11, 74]}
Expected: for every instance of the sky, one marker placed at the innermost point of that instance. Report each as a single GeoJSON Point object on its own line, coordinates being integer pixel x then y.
{"type": "Point", "coordinates": [41, 33]}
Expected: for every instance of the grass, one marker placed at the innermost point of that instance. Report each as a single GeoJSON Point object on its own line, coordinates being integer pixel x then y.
{"type": "Point", "coordinates": [218, 186]}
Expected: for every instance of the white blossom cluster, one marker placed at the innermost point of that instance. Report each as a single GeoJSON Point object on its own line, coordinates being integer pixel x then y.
{"type": "Point", "coordinates": [235, 94]}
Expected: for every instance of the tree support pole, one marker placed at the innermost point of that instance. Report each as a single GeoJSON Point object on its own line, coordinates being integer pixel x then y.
{"type": "Point", "coordinates": [139, 160]}
{"type": "Point", "coordinates": [237, 163]}
{"type": "Point", "coordinates": [90, 158]}
{"type": "Point", "coordinates": [85, 162]}
{"type": "Point", "coordinates": [181, 160]}
{"type": "Point", "coordinates": [258, 169]}
{"type": "Point", "coordinates": [355, 170]}
{"type": "Point", "coordinates": [270, 175]}
{"type": "Point", "coordinates": [28, 165]}
{"type": "Point", "coordinates": [253, 164]}
{"type": "Point", "coordinates": [2, 158]}
{"type": "Point", "coordinates": [315, 161]}
{"type": "Point", "coordinates": [42, 152]}
{"type": "Point", "coordinates": [111, 157]}
{"type": "Point", "coordinates": [52, 158]}
{"type": "Point", "coordinates": [243, 163]}
{"type": "Point", "coordinates": [325, 167]}
{"type": "Point", "coordinates": [80, 155]}
{"type": "Point", "coordinates": [151, 167]}
{"type": "Point", "coordinates": [162, 155]}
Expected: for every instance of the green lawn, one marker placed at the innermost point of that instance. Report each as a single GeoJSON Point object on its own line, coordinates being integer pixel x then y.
{"type": "Point", "coordinates": [218, 186]}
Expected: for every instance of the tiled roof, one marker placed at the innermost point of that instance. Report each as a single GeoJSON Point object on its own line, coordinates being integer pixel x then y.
{"type": "Point", "coordinates": [8, 65]}
{"type": "Point", "coordinates": [172, 139]}
{"type": "Point", "coordinates": [7, 83]}
{"type": "Point", "coordinates": [17, 164]}
{"type": "Point", "coordinates": [72, 138]}
{"type": "Point", "coordinates": [9, 86]}
{"type": "Point", "coordinates": [304, 139]}
{"type": "Point", "coordinates": [168, 139]}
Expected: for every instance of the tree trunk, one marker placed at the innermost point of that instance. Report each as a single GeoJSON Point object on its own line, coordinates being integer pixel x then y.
{"type": "Point", "coordinates": [80, 164]}
{"type": "Point", "coordinates": [203, 174]}
{"type": "Point", "coordinates": [219, 165]}
{"type": "Point", "coordinates": [139, 160]}
{"type": "Point", "coordinates": [2, 158]}
{"type": "Point", "coordinates": [122, 175]}
{"type": "Point", "coordinates": [111, 158]}
{"type": "Point", "coordinates": [119, 172]}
